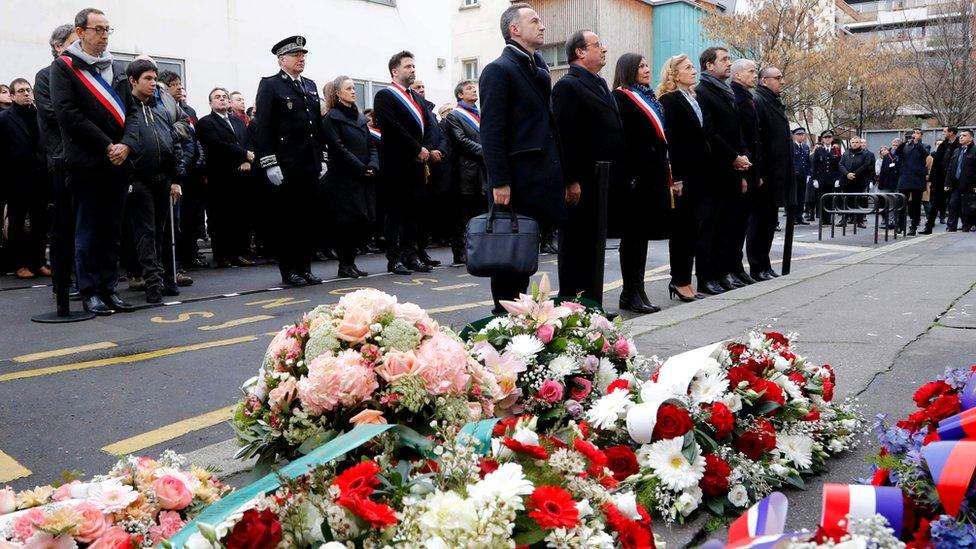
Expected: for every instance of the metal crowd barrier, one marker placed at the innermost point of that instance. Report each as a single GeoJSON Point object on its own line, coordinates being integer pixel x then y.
{"type": "Point", "coordinates": [852, 205]}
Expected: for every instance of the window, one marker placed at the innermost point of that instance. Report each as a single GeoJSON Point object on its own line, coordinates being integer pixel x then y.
{"type": "Point", "coordinates": [555, 55]}
{"type": "Point", "coordinates": [121, 62]}
{"type": "Point", "coordinates": [470, 3]}
{"type": "Point", "coordinates": [470, 68]}
{"type": "Point", "coordinates": [366, 91]}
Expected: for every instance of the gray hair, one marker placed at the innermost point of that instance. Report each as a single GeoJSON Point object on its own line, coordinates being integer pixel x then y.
{"type": "Point", "coordinates": [81, 20]}
{"type": "Point", "coordinates": [332, 89]}
{"type": "Point", "coordinates": [740, 65]}
{"type": "Point", "coordinates": [60, 34]}
{"type": "Point", "coordinates": [509, 16]}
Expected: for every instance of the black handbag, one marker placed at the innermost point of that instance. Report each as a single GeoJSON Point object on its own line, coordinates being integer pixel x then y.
{"type": "Point", "coordinates": [968, 203]}
{"type": "Point", "coordinates": [502, 243]}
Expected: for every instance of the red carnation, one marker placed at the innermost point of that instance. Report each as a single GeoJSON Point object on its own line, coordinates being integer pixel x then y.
{"type": "Point", "coordinates": [830, 370]}
{"type": "Point", "coordinates": [812, 415]}
{"type": "Point", "coordinates": [378, 515]}
{"type": "Point", "coordinates": [715, 481]}
{"type": "Point", "coordinates": [943, 407]}
{"type": "Point", "coordinates": [738, 374]}
{"type": "Point", "coordinates": [772, 392]}
{"type": "Point", "coordinates": [486, 465]}
{"type": "Point", "coordinates": [777, 338]}
{"type": "Point", "coordinates": [584, 428]}
{"type": "Point", "coordinates": [608, 482]}
{"type": "Point", "coordinates": [758, 441]}
{"type": "Point", "coordinates": [672, 421]}
{"type": "Point", "coordinates": [622, 461]}
{"type": "Point", "coordinates": [255, 530]}
{"type": "Point", "coordinates": [933, 436]}
{"type": "Point", "coordinates": [736, 349]}
{"type": "Point", "coordinates": [931, 390]}
{"type": "Point", "coordinates": [536, 452]}
{"type": "Point", "coordinates": [757, 367]}
{"type": "Point", "coordinates": [828, 390]}
{"type": "Point", "coordinates": [597, 459]}
{"type": "Point", "coordinates": [359, 480]}
{"type": "Point", "coordinates": [654, 375]}
{"type": "Point", "coordinates": [721, 420]}
{"type": "Point", "coordinates": [618, 383]}
{"type": "Point", "coordinates": [798, 379]}
{"type": "Point", "coordinates": [632, 534]}
{"type": "Point", "coordinates": [553, 507]}
{"type": "Point", "coordinates": [913, 422]}
{"type": "Point", "coordinates": [504, 425]}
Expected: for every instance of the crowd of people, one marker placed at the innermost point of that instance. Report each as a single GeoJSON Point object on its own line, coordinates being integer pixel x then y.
{"type": "Point", "coordinates": [705, 162]}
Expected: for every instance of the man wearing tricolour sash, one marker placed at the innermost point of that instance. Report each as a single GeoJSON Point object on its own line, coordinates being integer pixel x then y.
{"type": "Point", "coordinates": [92, 117]}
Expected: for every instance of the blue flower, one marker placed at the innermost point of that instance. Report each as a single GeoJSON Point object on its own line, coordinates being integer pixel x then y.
{"type": "Point", "coordinates": [948, 533]}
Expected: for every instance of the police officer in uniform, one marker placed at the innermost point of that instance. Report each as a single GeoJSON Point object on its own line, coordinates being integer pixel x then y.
{"type": "Point", "coordinates": [290, 147]}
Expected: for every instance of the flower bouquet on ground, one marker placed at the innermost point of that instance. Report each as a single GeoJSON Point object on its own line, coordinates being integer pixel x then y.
{"type": "Point", "coordinates": [139, 503]}
{"type": "Point", "coordinates": [551, 360]}
{"type": "Point", "coordinates": [368, 359]}
{"type": "Point", "coordinates": [930, 456]}
{"type": "Point", "coordinates": [531, 490]}
{"type": "Point", "coordinates": [723, 425]}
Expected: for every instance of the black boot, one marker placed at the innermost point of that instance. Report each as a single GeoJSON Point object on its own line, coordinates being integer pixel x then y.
{"type": "Point", "coordinates": [631, 301]}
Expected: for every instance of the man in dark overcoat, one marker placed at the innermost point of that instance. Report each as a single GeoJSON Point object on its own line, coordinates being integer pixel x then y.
{"type": "Point", "coordinates": [913, 155]}
{"type": "Point", "coordinates": [938, 194]}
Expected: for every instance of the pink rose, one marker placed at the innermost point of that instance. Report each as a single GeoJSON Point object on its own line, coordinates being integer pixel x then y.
{"type": "Point", "coordinates": [24, 525]}
{"type": "Point", "coordinates": [580, 388]}
{"type": "Point", "coordinates": [319, 391]}
{"type": "Point", "coordinates": [170, 523]}
{"type": "Point", "coordinates": [113, 538]}
{"type": "Point", "coordinates": [551, 391]}
{"type": "Point", "coordinates": [356, 381]}
{"type": "Point", "coordinates": [172, 493]}
{"type": "Point", "coordinates": [281, 396]}
{"type": "Point", "coordinates": [622, 347]}
{"type": "Point", "coordinates": [398, 364]}
{"type": "Point", "coordinates": [545, 333]}
{"type": "Point", "coordinates": [410, 312]}
{"type": "Point", "coordinates": [93, 523]}
{"type": "Point", "coordinates": [445, 363]}
{"type": "Point", "coordinates": [354, 326]}
{"type": "Point", "coordinates": [367, 417]}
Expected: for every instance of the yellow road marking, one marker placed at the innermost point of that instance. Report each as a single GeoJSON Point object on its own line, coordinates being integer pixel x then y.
{"type": "Point", "coordinates": [459, 307]}
{"type": "Point", "coordinates": [124, 359]}
{"type": "Point", "coordinates": [454, 287]}
{"type": "Point", "coordinates": [344, 291]}
{"type": "Point", "coordinates": [168, 432]}
{"type": "Point", "coordinates": [182, 317]}
{"type": "Point", "coordinates": [465, 275]}
{"type": "Point", "coordinates": [614, 284]}
{"type": "Point", "coordinates": [10, 469]}
{"type": "Point", "coordinates": [280, 302]}
{"type": "Point", "coordinates": [66, 351]}
{"type": "Point", "coordinates": [417, 281]}
{"type": "Point", "coordinates": [235, 322]}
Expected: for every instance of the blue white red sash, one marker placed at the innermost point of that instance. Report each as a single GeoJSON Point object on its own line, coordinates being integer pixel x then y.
{"type": "Point", "coordinates": [376, 133]}
{"type": "Point", "coordinates": [98, 87]}
{"type": "Point", "coordinates": [652, 115]}
{"type": "Point", "coordinates": [407, 99]}
{"type": "Point", "coordinates": [470, 118]}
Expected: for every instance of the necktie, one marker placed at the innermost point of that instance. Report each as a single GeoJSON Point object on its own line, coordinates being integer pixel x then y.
{"type": "Point", "coordinates": [962, 153]}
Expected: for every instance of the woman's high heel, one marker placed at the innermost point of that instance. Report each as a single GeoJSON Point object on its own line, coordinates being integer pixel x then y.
{"type": "Point", "coordinates": [673, 292]}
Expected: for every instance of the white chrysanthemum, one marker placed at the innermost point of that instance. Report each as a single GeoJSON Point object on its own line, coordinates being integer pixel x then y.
{"type": "Point", "coordinates": [644, 455]}
{"type": "Point", "coordinates": [562, 366]}
{"type": "Point", "coordinates": [507, 485]}
{"type": "Point", "coordinates": [733, 401]}
{"type": "Point", "coordinates": [627, 504]}
{"type": "Point", "coordinates": [605, 375]}
{"type": "Point", "coordinates": [738, 496]}
{"type": "Point", "coordinates": [709, 388]}
{"type": "Point", "coordinates": [526, 346]}
{"type": "Point", "coordinates": [609, 409]}
{"type": "Point", "coordinates": [796, 448]}
{"type": "Point", "coordinates": [709, 366]}
{"type": "Point", "coordinates": [672, 467]}
{"type": "Point", "coordinates": [447, 511]}
{"type": "Point", "coordinates": [689, 500]}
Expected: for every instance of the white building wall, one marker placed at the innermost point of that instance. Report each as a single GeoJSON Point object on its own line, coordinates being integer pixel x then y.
{"type": "Point", "coordinates": [475, 34]}
{"type": "Point", "coordinates": [228, 42]}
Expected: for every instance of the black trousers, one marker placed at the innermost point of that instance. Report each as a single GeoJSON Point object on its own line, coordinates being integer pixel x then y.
{"type": "Point", "coordinates": [582, 248]}
{"type": "Point", "coordinates": [710, 225]}
{"type": "Point", "coordinates": [913, 207]}
{"type": "Point", "coordinates": [29, 201]}
{"type": "Point", "coordinates": [348, 239]}
{"type": "Point", "coordinates": [148, 212]}
{"type": "Point", "coordinates": [99, 198]}
{"type": "Point", "coordinates": [938, 206]}
{"type": "Point", "coordinates": [190, 226]}
{"type": "Point", "coordinates": [801, 196]}
{"type": "Point", "coordinates": [762, 227]}
{"type": "Point", "coordinates": [955, 211]}
{"type": "Point", "coordinates": [633, 264]}
{"type": "Point", "coordinates": [685, 243]}
{"type": "Point", "coordinates": [466, 206]}
{"type": "Point", "coordinates": [734, 227]}
{"type": "Point", "coordinates": [226, 215]}
{"type": "Point", "coordinates": [401, 228]}
{"type": "Point", "coordinates": [295, 229]}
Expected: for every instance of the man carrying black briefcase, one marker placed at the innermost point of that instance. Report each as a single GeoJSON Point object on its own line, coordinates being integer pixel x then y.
{"type": "Point", "coordinates": [519, 136]}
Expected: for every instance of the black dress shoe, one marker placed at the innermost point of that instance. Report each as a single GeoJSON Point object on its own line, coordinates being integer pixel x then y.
{"type": "Point", "coordinates": [953, 229]}
{"type": "Point", "coordinates": [199, 263]}
{"type": "Point", "coordinates": [224, 264]}
{"type": "Point", "coordinates": [361, 272]}
{"type": "Point", "coordinates": [926, 230]}
{"type": "Point", "coordinates": [311, 279]}
{"type": "Point", "coordinates": [634, 303]}
{"type": "Point", "coordinates": [911, 231]}
{"type": "Point", "coordinates": [116, 303]}
{"type": "Point", "coordinates": [771, 273]}
{"type": "Point", "coordinates": [642, 293]}
{"type": "Point", "coordinates": [802, 222]}
{"type": "Point", "coordinates": [398, 268]}
{"type": "Point", "coordinates": [154, 294]}
{"type": "Point", "coordinates": [548, 248]}
{"type": "Point", "coordinates": [170, 290]}
{"type": "Point", "coordinates": [762, 276]}
{"type": "Point", "coordinates": [96, 306]}
{"type": "Point", "coordinates": [417, 266]}
{"type": "Point", "coordinates": [729, 283]}
{"type": "Point", "coordinates": [348, 271]}
{"type": "Point", "coordinates": [242, 261]}
{"type": "Point", "coordinates": [711, 288]}
{"type": "Point", "coordinates": [293, 279]}
{"type": "Point", "coordinates": [427, 260]}
{"type": "Point", "coordinates": [744, 278]}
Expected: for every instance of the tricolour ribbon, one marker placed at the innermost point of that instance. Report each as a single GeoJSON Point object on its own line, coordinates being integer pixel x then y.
{"type": "Point", "coordinates": [958, 427]}
{"type": "Point", "coordinates": [952, 464]}
{"type": "Point", "coordinates": [842, 502]}
{"type": "Point", "coordinates": [376, 133]}
{"type": "Point", "coordinates": [406, 99]}
{"type": "Point", "coordinates": [968, 396]}
{"type": "Point", "coordinates": [761, 527]}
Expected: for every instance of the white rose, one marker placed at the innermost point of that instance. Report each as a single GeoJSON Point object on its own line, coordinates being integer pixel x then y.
{"type": "Point", "coordinates": [627, 504]}
{"type": "Point", "coordinates": [8, 501]}
{"type": "Point", "coordinates": [733, 401]}
{"type": "Point", "coordinates": [738, 496]}
{"type": "Point", "coordinates": [781, 364]}
{"type": "Point", "coordinates": [197, 541]}
{"type": "Point", "coordinates": [689, 500]}
{"type": "Point", "coordinates": [779, 470]}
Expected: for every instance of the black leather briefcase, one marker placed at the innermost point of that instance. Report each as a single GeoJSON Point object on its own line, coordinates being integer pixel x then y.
{"type": "Point", "coordinates": [501, 242]}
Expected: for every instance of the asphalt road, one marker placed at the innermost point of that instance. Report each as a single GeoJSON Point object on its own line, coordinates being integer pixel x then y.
{"type": "Point", "coordinates": [72, 395]}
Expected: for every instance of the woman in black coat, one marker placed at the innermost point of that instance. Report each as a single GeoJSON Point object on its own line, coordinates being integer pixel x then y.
{"type": "Point", "coordinates": [693, 231]}
{"type": "Point", "coordinates": [641, 204]}
{"type": "Point", "coordinates": [353, 165]}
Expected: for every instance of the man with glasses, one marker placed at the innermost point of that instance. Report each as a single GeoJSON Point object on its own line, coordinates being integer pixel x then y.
{"type": "Point", "coordinates": [92, 118]}
{"type": "Point", "coordinates": [290, 147]}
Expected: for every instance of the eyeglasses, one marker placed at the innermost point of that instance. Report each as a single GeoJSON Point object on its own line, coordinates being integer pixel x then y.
{"type": "Point", "coordinates": [24, 91]}
{"type": "Point", "coordinates": [780, 77]}
{"type": "Point", "coordinates": [101, 30]}
{"type": "Point", "coordinates": [598, 45]}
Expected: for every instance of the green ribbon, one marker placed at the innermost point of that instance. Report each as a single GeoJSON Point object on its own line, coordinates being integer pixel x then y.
{"type": "Point", "coordinates": [329, 451]}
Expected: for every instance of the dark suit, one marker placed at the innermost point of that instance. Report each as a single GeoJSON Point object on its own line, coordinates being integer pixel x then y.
{"type": "Point", "coordinates": [937, 176]}
{"type": "Point", "coordinates": [823, 172]}
{"type": "Point", "coordinates": [403, 176]}
{"type": "Point", "coordinates": [801, 175]}
{"type": "Point", "coordinates": [520, 141]}
{"type": "Point", "coordinates": [62, 225]}
{"type": "Point", "coordinates": [964, 183]}
{"type": "Point", "coordinates": [98, 187]}
{"type": "Point", "coordinates": [225, 143]}
{"type": "Point", "coordinates": [693, 231]}
{"type": "Point", "coordinates": [776, 171]}
{"type": "Point", "coordinates": [288, 133]}
{"type": "Point", "coordinates": [738, 205]}
{"type": "Point", "coordinates": [591, 131]}
{"type": "Point", "coordinates": [469, 178]}
{"type": "Point", "coordinates": [438, 183]}
{"type": "Point", "coordinates": [27, 187]}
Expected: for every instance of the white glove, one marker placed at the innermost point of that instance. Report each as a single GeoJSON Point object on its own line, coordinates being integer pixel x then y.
{"type": "Point", "coordinates": [325, 168]}
{"type": "Point", "coordinates": [837, 184]}
{"type": "Point", "coordinates": [274, 175]}
{"type": "Point", "coordinates": [816, 185]}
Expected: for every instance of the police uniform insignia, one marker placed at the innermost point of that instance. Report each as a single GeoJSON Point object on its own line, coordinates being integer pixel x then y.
{"type": "Point", "coordinates": [289, 104]}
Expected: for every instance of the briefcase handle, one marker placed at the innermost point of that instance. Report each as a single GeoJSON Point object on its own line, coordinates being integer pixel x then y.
{"type": "Point", "coordinates": [489, 226]}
